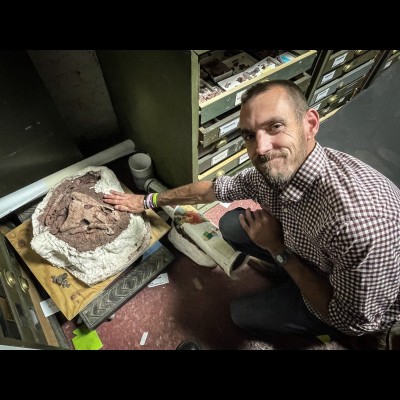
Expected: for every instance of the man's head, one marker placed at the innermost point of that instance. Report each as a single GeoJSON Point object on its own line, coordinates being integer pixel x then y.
{"type": "Point", "coordinates": [278, 128]}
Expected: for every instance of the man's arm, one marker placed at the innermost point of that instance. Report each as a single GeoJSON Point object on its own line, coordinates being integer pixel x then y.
{"type": "Point", "coordinates": [314, 287]}
{"type": "Point", "coordinates": [266, 231]}
{"type": "Point", "coordinates": [193, 193]}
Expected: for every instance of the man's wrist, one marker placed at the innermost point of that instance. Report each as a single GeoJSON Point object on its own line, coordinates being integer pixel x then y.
{"type": "Point", "coordinates": [282, 256]}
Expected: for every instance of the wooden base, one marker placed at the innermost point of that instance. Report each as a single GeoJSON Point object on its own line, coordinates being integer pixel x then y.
{"type": "Point", "coordinates": [70, 300]}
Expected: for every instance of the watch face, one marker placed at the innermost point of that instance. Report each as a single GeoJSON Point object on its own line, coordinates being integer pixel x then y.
{"type": "Point", "coordinates": [282, 258]}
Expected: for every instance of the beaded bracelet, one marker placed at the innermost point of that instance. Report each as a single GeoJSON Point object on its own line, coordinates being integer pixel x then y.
{"type": "Point", "coordinates": [149, 200]}
{"type": "Point", "coordinates": [144, 203]}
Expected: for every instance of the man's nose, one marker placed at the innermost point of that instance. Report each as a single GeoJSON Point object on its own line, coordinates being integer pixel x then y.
{"type": "Point", "coordinates": [264, 144]}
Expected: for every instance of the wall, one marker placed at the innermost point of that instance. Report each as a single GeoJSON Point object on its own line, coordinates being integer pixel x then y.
{"type": "Point", "coordinates": [75, 82]}
{"type": "Point", "coordinates": [35, 141]}
{"type": "Point", "coordinates": [367, 126]}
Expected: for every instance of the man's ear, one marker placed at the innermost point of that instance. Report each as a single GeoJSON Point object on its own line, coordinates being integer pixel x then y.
{"type": "Point", "coordinates": [311, 123]}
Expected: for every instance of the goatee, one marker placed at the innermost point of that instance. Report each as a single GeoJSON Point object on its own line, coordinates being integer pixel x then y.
{"type": "Point", "coordinates": [276, 180]}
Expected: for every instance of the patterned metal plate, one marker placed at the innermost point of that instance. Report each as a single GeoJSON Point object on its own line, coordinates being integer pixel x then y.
{"type": "Point", "coordinates": [154, 260]}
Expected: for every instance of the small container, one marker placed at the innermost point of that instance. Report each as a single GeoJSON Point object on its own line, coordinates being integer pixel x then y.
{"type": "Point", "coordinates": [141, 168]}
{"type": "Point", "coordinates": [215, 68]}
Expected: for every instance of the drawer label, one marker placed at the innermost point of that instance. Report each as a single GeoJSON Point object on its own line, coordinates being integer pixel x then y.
{"type": "Point", "coordinates": [387, 64]}
{"type": "Point", "coordinates": [244, 157]}
{"type": "Point", "coordinates": [228, 127]}
{"type": "Point", "coordinates": [341, 100]}
{"type": "Point", "coordinates": [322, 94]}
{"type": "Point", "coordinates": [219, 157]}
{"type": "Point", "coordinates": [339, 60]}
{"type": "Point", "coordinates": [316, 106]}
{"type": "Point", "coordinates": [328, 77]}
{"type": "Point", "coordinates": [238, 97]}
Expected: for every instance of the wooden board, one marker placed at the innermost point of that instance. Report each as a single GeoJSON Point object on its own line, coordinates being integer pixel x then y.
{"type": "Point", "coordinates": [73, 299]}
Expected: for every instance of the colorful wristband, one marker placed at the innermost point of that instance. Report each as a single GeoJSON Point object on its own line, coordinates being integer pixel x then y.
{"type": "Point", "coordinates": [154, 199]}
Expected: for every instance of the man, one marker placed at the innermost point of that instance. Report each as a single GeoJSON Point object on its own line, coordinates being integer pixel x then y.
{"type": "Point", "coordinates": [328, 221]}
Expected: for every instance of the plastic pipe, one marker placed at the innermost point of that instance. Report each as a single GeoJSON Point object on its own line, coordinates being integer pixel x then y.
{"type": "Point", "coordinates": [39, 188]}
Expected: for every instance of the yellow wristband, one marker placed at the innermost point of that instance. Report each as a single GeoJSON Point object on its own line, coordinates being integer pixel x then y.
{"type": "Point", "coordinates": [154, 199]}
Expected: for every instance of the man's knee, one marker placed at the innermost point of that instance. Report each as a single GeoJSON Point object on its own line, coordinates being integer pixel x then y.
{"type": "Point", "coordinates": [229, 225]}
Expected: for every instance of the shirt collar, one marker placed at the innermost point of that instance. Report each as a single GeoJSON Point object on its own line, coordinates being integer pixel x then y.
{"type": "Point", "coordinates": [306, 175]}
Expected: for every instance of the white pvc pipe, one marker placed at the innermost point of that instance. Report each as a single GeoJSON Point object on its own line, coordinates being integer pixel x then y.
{"type": "Point", "coordinates": [39, 188]}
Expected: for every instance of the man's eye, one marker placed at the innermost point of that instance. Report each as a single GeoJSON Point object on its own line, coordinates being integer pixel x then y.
{"type": "Point", "coordinates": [276, 126]}
{"type": "Point", "coordinates": [248, 137]}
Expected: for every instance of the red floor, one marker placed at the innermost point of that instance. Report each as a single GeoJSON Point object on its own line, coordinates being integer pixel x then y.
{"type": "Point", "coordinates": [193, 305]}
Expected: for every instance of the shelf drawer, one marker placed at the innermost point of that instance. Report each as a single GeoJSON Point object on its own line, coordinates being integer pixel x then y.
{"type": "Point", "coordinates": [232, 98]}
{"type": "Point", "coordinates": [243, 165]}
{"type": "Point", "coordinates": [223, 153]}
{"type": "Point", "coordinates": [303, 81]}
{"type": "Point", "coordinates": [212, 132]}
{"type": "Point", "coordinates": [349, 66]}
{"type": "Point", "coordinates": [336, 104]}
{"type": "Point", "coordinates": [14, 290]}
{"type": "Point", "coordinates": [225, 166]}
{"type": "Point", "coordinates": [331, 87]}
{"type": "Point", "coordinates": [338, 94]}
{"type": "Point", "coordinates": [339, 58]}
{"type": "Point", "coordinates": [391, 60]}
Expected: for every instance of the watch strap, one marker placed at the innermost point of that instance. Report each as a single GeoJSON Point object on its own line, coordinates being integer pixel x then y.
{"type": "Point", "coordinates": [282, 257]}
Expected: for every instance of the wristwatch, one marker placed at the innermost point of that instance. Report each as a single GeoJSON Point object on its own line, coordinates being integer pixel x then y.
{"type": "Point", "coordinates": [282, 257]}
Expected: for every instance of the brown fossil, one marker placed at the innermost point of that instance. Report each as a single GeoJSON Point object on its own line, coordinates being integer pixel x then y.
{"type": "Point", "coordinates": [85, 214]}
{"type": "Point", "coordinates": [76, 214]}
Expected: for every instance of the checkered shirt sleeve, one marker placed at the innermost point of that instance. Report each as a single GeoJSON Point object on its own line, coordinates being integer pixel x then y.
{"type": "Point", "coordinates": [342, 217]}
{"type": "Point", "coordinates": [366, 275]}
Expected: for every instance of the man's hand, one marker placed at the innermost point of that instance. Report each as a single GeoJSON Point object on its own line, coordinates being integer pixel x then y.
{"type": "Point", "coordinates": [125, 201]}
{"type": "Point", "coordinates": [263, 229]}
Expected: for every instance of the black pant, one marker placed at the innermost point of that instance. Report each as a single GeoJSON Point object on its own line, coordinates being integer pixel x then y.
{"type": "Point", "coordinates": [280, 310]}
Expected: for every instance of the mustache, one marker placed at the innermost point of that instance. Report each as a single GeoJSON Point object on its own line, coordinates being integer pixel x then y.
{"type": "Point", "coordinates": [270, 156]}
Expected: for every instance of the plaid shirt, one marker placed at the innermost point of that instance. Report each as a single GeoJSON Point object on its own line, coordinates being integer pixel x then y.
{"type": "Point", "coordinates": [343, 218]}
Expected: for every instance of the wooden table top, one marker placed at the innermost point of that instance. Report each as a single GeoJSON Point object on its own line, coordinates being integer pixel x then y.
{"type": "Point", "coordinates": [70, 300]}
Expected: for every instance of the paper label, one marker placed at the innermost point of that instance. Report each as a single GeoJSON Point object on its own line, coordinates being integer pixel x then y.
{"type": "Point", "coordinates": [387, 64]}
{"type": "Point", "coordinates": [243, 158]}
{"type": "Point", "coordinates": [238, 97]}
{"type": "Point", "coordinates": [221, 156]}
{"type": "Point", "coordinates": [160, 280]}
{"type": "Point", "coordinates": [49, 307]}
{"type": "Point", "coordinates": [322, 94]}
{"type": "Point", "coordinates": [339, 60]}
{"type": "Point", "coordinates": [228, 127]}
{"type": "Point", "coordinates": [327, 77]}
{"type": "Point", "coordinates": [33, 316]}
{"type": "Point", "coordinates": [317, 106]}
{"type": "Point", "coordinates": [341, 100]}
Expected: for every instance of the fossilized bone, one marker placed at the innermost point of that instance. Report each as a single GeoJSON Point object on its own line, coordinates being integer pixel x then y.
{"type": "Point", "coordinates": [86, 214]}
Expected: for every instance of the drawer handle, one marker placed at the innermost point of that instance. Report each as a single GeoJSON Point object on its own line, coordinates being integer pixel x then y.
{"type": "Point", "coordinates": [347, 67]}
{"type": "Point", "coordinates": [325, 111]}
{"type": "Point", "coordinates": [332, 98]}
{"type": "Point", "coordinates": [221, 172]}
{"type": "Point", "coordinates": [10, 278]}
{"type": "Point", "coordinates": [358, 52]}
{"type": "Point", "coordinates": [24, 284]}
{"type": "Point", "coordinates": [221, 143]}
